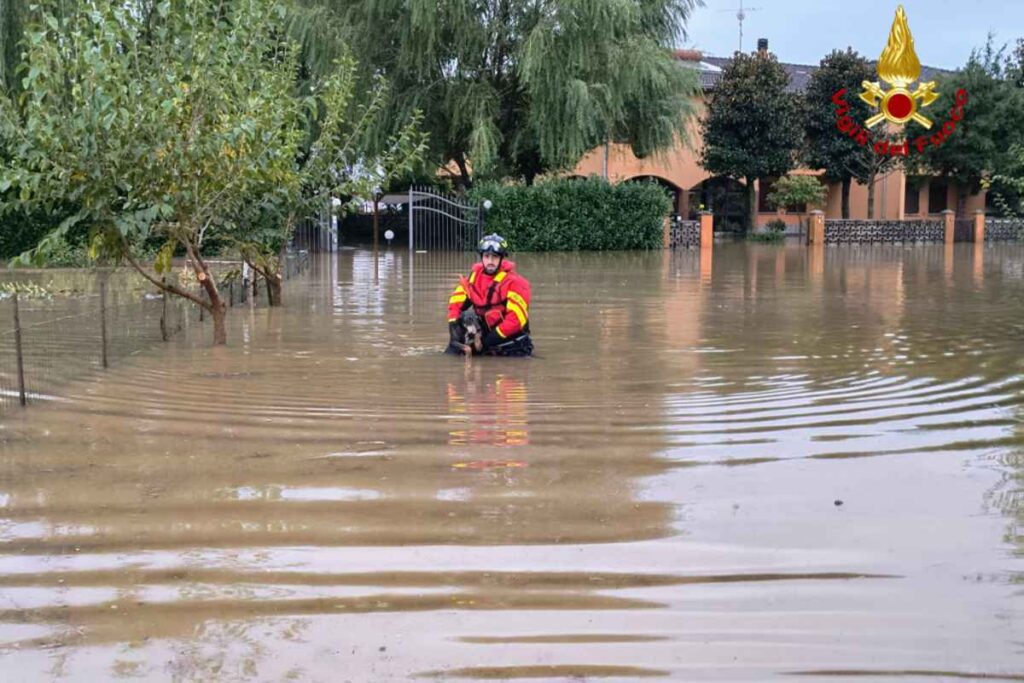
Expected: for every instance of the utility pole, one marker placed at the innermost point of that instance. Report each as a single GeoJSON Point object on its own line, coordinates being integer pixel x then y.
{"type": "Point", "coordinates": [741, 14]}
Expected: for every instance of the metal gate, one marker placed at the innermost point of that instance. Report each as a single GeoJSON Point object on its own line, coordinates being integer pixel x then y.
{"type": "Point", "coordinates": [443, 221]}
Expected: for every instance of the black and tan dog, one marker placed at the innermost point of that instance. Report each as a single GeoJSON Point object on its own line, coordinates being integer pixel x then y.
{"type": "Point", "coordinates": [469, 334]}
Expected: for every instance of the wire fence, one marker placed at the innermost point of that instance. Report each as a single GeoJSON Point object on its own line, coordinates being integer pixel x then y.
{"type": "Point", "coordinates": [96, 318]}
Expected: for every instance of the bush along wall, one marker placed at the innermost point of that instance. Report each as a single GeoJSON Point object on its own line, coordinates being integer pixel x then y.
{"type": "Point", "coordinates": [576, 215]}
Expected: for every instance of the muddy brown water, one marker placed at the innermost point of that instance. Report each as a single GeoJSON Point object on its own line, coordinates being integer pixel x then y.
{"type": "Point", "coordinates": [769, 464]}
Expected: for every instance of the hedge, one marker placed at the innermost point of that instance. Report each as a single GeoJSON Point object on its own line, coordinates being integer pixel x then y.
{"type": "Point", "coordinates": [576, 214]}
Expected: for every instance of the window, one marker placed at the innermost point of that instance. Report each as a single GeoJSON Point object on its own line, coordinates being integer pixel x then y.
{"type": "Point", "coordinates": [937, 192]}
{"type": "Point", "coordinates": [912, 198]}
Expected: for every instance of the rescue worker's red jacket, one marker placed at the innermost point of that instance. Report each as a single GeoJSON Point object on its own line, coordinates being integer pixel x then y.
{"type": "Point", "coordinates": [503, 301]}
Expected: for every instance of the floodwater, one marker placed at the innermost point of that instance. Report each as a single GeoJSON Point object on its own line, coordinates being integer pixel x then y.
{"type": "Point", "coordinates": [772, 464]}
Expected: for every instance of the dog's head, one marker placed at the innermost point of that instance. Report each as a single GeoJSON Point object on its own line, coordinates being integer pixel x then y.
{"type": "Point", "coordinates": [471, 323]}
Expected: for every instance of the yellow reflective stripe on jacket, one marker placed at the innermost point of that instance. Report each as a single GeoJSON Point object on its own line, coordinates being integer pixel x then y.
{"type": "Point", "coordinates": [514, 307]}
{"type": "Point", "coordinates": [472, 277]}
{"type": "Point", "coordinates": [459, 289]}
{"type": "Point", "coordinates": [457, 298]}
{"type": "Point", "coordinates": [515, 298]}
{"type": "Point", "coordinates": [500, 333]}
{"type": "Point", "coordinates": [500, 276]}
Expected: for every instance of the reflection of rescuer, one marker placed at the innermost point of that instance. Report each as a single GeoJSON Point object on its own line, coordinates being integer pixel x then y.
{"type": "Point", "coordinates": [489, 312]}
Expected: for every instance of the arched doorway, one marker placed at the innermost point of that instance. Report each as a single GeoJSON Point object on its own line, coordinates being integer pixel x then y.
{"type": "Point", "coordinates": [725, 197]}
{"type": "Point", "coordinates": [674, 191]}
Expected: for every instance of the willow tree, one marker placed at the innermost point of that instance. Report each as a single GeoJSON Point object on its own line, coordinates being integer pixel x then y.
{"type": "Point", "coordinates": [517, 87]}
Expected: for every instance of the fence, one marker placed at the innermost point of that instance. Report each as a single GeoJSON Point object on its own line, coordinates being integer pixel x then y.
{"type": "Point", "coordinates": [963, 230]}
{"type": "Point", "coordinates": [852, 231]}
{"type": "Point", "coordinates": [94, 320]}
{"type": "Point", "coordinates": [1004, 229]}
{"type": "Point", "coordinates": [684, 234]}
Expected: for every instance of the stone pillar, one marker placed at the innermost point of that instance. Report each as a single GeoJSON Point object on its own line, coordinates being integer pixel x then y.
{"type": "Point", "coordinates": [948, 223]}
{"type": "Point", "coordinates": [816, 228]}
{"type": "Point", "coordinates": [707, 230]}
{"type": "Point", "coordinates": [979, 227]}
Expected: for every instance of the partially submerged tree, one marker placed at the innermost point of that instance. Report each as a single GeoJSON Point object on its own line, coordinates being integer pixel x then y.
{"type": "Point", "coordinates": [841, 157]}
{"type": "Point", "coordinates": [514, 88]}
{"type": "Point", "coordinates": [752, 127]}
{"type": "Point", "coordinates": [168, 125]}
{"type": "Point", "coordinates": [332, 162]}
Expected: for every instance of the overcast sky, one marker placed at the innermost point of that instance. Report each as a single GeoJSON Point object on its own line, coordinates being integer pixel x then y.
{"type": "Point", "coordinates": [804, 31]}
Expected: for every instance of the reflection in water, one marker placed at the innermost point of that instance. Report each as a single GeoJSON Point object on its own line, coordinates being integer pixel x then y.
{"type": "Point", "coordinates": [492, 415]}
{"type": "Point", "coordinates": [795, 461]}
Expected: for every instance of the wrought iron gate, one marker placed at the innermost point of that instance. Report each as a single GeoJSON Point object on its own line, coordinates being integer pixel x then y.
{"type": "Point", "coordinates": [443, 221]}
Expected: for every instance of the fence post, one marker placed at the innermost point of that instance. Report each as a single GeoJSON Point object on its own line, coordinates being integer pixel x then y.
{"type": "Point", "coordinates": [410, 218]}
{"type": "Point", "coordinates": [816, 230]}
{"type": "Point", "coordinates": [979, 226]}
{"type": "Point", "coordinates": [103, 318]}
{"type": "Point", "coordinates": [19, 353]}
{"type": "Point", "coordinates": [707, 230]}
{"type": "Point", "coordinates": [949, 225]}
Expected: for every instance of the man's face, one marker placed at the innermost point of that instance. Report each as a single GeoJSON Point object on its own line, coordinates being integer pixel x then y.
{"type": "Point", "coordinates": [491, 262]}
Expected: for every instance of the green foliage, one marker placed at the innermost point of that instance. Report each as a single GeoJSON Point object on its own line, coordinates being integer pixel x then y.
{"type": "Point", "coordinates": [797, 189]}
{"type": "Point", "coordinates": [1007, 188]}
{"type": "Point", "coordinates": [517, 87]}
{"type": "Point", "coordinates": [164, 126]}
{"type": "Point", "coordinates": [752, 127]}
{"type": "Point", "coordinates": [576, 215]}
{"type": "Point", "coordinates": [839, 155]}
{"type": "Point", "coordinates": [774, 231]}
{"type": "Point", "coordinates": [993, 121]}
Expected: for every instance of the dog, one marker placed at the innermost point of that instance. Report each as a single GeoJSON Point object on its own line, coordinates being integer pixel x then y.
{"type": "Point", "coordinates": [472, 327]}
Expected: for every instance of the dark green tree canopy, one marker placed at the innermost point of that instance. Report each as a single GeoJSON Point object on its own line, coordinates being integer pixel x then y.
{"type": "Point", "coordinates": [517, 87]}
{"type": "Point", "coordinates": [993, 120]}
{"type": "Point", "coordinates": [752, 127]}
{"type": "Point", "coordinates": [840, 156]}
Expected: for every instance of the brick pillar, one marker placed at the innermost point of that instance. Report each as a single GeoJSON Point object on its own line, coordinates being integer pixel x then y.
{"type": "Point", "coordinates": [707, 230]}
{"type": "Point", "coordinates": [816, 228]}
{"type": "Point", "coordinates": [979, 227]}
{"type": "Point", "coordinates": [666, 232]}
{"type": "Point", "coordinates": [948, 222]}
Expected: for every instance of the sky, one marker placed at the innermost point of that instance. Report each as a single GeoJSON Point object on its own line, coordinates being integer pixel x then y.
{"type": "Point", "coordinates": [804, 31]}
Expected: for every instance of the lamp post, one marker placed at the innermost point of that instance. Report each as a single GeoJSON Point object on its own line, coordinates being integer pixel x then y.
{"type": "Point", "coordinates": [376, 228]}
{"type": "Point", "coordinates": [376, 217]}
{"type": "Point", "coordinates": [486, 206]}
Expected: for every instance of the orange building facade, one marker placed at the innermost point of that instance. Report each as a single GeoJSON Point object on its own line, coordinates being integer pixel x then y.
{"type": "Point", "coordinates": [897, 196]}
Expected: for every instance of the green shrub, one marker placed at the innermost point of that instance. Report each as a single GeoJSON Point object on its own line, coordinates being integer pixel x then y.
{"type": "Point", "coordinates": [576, 215]}
{"type": "Point", "coordinates": [774, 231]}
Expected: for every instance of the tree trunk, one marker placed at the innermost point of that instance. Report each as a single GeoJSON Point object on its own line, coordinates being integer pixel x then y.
{"type": "Point", "coordinates": [217, 306]}
{"type": "Point", "coordinates": [751, 206]}
{"type": "Point", "coordinates": [273, 288]}
{"type": "Point", "coordinates": [463, 171]}
{"type": "Point", "coordinates": [846, 197]}
{"type": "Point", "coordinates": [871, 197]}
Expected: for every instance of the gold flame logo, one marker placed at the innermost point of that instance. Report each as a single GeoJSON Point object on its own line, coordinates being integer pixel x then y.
{"type": "Point", "coordinates": [899, 67]}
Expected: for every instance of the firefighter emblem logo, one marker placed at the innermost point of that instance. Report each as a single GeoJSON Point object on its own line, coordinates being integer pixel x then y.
{"type": "Point", "coordinates": [899, 67]}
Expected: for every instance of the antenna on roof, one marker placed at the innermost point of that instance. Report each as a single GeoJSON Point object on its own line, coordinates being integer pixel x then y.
{"type": "Point", "coordinates": [741, 14]}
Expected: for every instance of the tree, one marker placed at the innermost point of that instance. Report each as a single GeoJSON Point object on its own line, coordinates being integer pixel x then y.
{"type": "Point", "coordinates": [797, 189]}
{"type": "Point", "coordinates": [332, 163]}
{"type": "Point", "coordinates": [993, 123]}
{"type": "Point", "coordinates": [152, 129]}
{"type": "Point", "coordinates": [752, 127]}
{"type": "Point", "coordinates": [841, 157]}
{"type": "Point", "coordinates": [516, 87]}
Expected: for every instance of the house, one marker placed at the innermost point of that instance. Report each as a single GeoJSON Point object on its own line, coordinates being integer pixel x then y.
{"type": "Point", "coordinates": [897, 196]}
